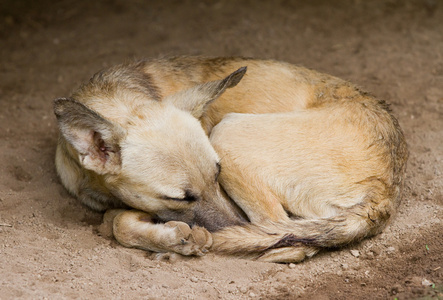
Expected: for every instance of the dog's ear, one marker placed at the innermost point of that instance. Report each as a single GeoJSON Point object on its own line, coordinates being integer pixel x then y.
{"type": "Point", "coordinates": [195, 99]}
{"type": "Point", "coordinates": [95, 138]}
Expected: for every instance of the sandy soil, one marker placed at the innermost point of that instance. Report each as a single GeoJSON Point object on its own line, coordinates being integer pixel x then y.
{"type": "Point", "coordinates": [49, 244]}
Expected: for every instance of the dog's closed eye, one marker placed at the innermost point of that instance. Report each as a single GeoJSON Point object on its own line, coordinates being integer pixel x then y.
{"type": "Point", "coordinates": [189, 197]}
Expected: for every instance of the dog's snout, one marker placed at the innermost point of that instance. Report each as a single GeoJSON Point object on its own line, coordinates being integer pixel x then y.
{"type": "Point", "coordinates": [216, 211]}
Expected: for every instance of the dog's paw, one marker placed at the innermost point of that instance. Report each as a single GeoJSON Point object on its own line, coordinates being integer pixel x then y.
{"type": "Point", "coordinates": [190, 241]}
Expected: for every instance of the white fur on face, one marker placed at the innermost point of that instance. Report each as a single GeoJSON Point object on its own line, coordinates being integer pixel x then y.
{"type": "Point", "coordinates": [165, 153]}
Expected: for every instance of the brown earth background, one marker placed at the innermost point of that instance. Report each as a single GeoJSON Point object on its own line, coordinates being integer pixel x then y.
{"type": "Point", "coordinates": [50, 247]}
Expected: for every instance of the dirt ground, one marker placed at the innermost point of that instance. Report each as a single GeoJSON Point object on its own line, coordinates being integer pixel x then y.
{"type": "Point", "coordinates": [50, 247]}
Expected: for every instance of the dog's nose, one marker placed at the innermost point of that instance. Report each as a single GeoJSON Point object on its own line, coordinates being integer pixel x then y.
{"type": "Point", "coordinates": [218, 212]}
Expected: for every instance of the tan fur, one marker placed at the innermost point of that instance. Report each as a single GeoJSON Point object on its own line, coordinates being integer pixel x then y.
{"type": "Point", "coordinates": [308, 160]}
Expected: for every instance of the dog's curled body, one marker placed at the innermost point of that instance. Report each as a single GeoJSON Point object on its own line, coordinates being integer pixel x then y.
{"type": "Point", "coordinates": [307, 160]}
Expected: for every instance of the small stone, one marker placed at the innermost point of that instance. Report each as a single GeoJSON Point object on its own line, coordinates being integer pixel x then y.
{"type": "Point", "coordinates": [292, 266]}
{"type": "Point", "coordinates": [243, 290]}
{"type": "Point", "coordinates": [369, 255]}
{"type": "Point", "coordinates": [390, 249]}
{"type": "Point", "coordinates": [426, 282]}
{"type": "Point", "coordinates": [355, 253]}
{"type": "Point", "coordinates": [344, 266]}
{"type": "Point", "coordinates": [194, 279]}
{"type": "Point", "coordinates": [251, 294]}
{"type": "Point", "coordinates": [376, 252]}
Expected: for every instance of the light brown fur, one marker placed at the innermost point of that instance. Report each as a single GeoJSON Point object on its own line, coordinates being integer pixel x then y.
{"type": "Point", "coordinates": [307, 160]}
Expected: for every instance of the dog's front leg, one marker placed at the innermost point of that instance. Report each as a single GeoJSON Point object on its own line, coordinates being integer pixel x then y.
{"type": "Point", "coordinates": [133, 228]}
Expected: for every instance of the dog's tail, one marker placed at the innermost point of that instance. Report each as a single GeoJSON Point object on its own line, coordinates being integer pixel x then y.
{"type": "Point", "coordinates": [296, 239]}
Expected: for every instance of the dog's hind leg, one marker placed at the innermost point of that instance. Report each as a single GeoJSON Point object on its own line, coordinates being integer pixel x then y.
{"type": "Point", "coordinates": [136, 229]}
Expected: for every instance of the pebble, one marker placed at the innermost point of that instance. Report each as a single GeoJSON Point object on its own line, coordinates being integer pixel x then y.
{"type": "Point", "coordinates": [375, 252]}
{"type": "Point", "coordinates": [251, 294]}
{"type": "Point", "coordinates": [292, 266]}
{"type": "Point", "coordinates": [426, 282]}
{"type": "Point", "coordinates": [355, 253]}
{"type": "Point", "coordinates": [194, 279]}
{"type": "Point", "coordinates": [390, 249]}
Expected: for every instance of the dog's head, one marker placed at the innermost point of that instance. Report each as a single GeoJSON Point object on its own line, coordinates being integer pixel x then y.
{"type": "Point", "coordinates": [156, 158]}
